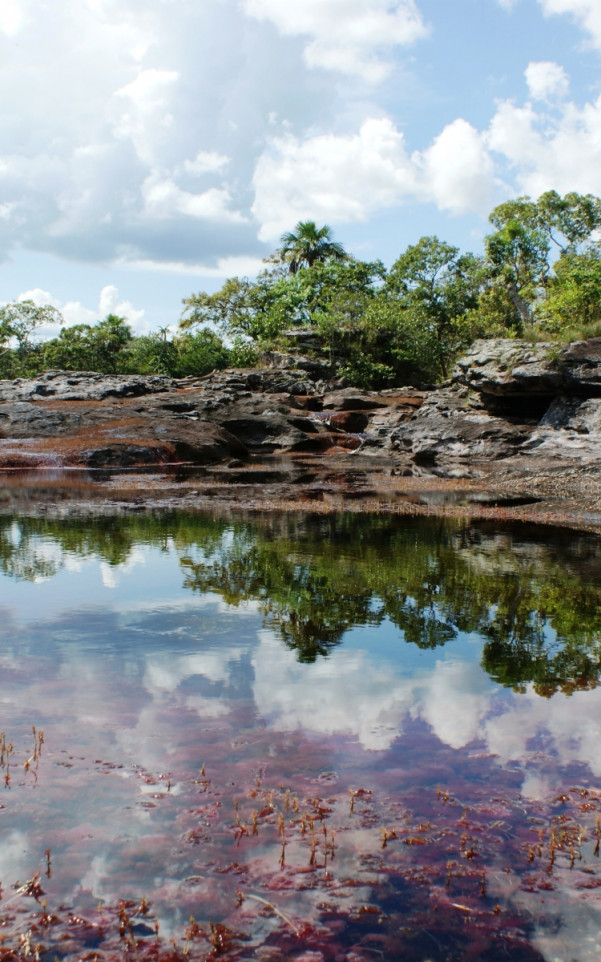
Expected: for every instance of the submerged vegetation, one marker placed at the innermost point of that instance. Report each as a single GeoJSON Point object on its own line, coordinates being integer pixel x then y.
{"type": "Point", "coordinates": [539, 277]}
{"type": "Point", "coordinates": [165, 799]}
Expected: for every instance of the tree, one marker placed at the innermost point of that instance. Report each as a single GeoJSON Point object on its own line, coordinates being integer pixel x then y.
{"type": "Point", "coordinates": [86, 348]}
{"type": "Point", "coordinates": [432, 287]}
{"type": "Point", "coordinates": [307, 245]}
{"type": "Point", "coordinates": [574, 299]}
{"type": "Point", "coordinates": [20, 319]}
{"type": "Point", "coordinates": [568, 221]}
{"type": "Point", "coordinates": [254, 310]}
{"type": "Point", "coordinates": [519, 253]}
{"type": "Point", "coordinates": [154, 353]}
{"type": "Point", "coordinates": [200, 353]}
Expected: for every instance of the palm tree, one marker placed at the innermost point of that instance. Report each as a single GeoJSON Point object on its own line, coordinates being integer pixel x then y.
{"type": "Point", "coordinates": [307, 244]}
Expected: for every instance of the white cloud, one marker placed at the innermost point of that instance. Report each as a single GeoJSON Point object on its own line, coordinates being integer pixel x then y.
{"type": "Point", "coordinates": [225, 267]}
{"type": "Point", "coordinates": [330, 177]}
{"type": "Point", "coordinates": [457, 170]}
{"type": "Point", "coordinates": [560, 151]}
{"type": "Point", "coordinates": [163, 198]}
{"type": "Point", "coordinates": [145, 118]}
{"type": "Point", "coordinates": [120, 93]}
{"type": "Point", "coordinates": [348, 177]}
{"type": "Point", "coordinates": [206, 161]}
{"type": "Point", "coordinates": [11, 17]}
{"type": "Point", "coordinates": [546, 80]}
{"type": "Point", "coordinates": [349, 36]}
{"type": "Point", "coordinates": [586, 12]}
{"type": "Point", "coordinates": [346, 693]}
{"type": "Point", "coordinates": [109, 302]}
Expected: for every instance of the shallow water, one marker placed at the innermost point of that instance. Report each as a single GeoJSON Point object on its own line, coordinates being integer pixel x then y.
{"type": "Point", "coordinates": [322, 738]}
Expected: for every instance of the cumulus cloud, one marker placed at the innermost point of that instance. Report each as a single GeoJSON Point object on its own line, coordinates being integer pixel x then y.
{"type": "Point", "coordinates": [73, 312]}
{"type": "Point", "coordinates": [163, 198]}
{"type": "Point", "coordinates": [145, 118]}
{"type": "Point", "coordinates": [347, 694]}
{"type": "Point", "coordinates": [11, 17]}
{"type": "Point", "coordinates": [586, 12]}
{"type": "Point", "coordinates": [546, 80]}
{"type": "Point", "coordinates": [184, 137]}
{"type": "Point", "coordinates": [225, 267]}
{"type": "Point", "coordinates": [347, 177]}
{"type": "Point", "coordinates": [350, 36]}
{"type": "Point", "coordinates": [457, 170]}
{"type": "Point", "coordinates": [125, 129]}
{"type": "Point", "coordinates": [559, 150]}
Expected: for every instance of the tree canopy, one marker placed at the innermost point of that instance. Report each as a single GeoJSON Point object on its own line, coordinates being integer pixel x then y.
{"type": "Point", "coordinates": [307, 245]}
{"type": "Point", "coordinates": [539, 276]}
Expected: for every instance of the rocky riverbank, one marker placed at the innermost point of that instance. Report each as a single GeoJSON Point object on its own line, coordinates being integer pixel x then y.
{"type": "Point", "coordinates": [517, 430]}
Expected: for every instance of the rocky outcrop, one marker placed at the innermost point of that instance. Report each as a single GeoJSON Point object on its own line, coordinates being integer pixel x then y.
{"type": "Point", "coordinates": [509, 405]}
{"type": "Point", "coordinates": [508, 368]}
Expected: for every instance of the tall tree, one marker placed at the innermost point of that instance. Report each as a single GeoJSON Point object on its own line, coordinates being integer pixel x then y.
{"type": "Point", "coordinates": [432, 287]}
{"type": "Point", "coordinates": [308, 244]}
{"type": "Point", "coordinates": [20, 319]}
{"type": "Point", "coordinates": [518, 254]}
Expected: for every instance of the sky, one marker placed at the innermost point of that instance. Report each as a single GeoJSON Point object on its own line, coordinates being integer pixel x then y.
{"type": "Point", "coordinates": [149, 149]}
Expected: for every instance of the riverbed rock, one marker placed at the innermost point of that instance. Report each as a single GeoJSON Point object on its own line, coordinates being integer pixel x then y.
{"type": "Point", "coordinates": [509, 404]}
{"type": "Point", "coordinates": [505, 368]}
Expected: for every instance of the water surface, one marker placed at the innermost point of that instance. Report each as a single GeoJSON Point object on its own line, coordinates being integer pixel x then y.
{"type": "Point", "coordinates": [328, 738]}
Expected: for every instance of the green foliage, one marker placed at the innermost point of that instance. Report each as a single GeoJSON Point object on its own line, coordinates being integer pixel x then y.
{"type": "Point", "coordinates": [19, 321]}
{"type": "Point", "coordinates": [573, 304]}
{"type": "Point", "coordinates": [540, 275]}
{"type": "Point", "coordinates": [150, 354]}
{"type": "Point", "coordinates": [307, 245]}
{"type": "Point", "coordinates": [243, 354]}
{"type": "Point", "coordinates": [519, 254]}
{"type": "Point", "coordinates": [200, 353]}
{"type": "Point", "coordinates": [433, 287]}
{"type": "Point", "coordinates": [86, 348]}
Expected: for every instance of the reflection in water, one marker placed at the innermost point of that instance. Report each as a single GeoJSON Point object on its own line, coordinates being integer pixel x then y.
{"type": "Point", "coordinates": [216, 694]}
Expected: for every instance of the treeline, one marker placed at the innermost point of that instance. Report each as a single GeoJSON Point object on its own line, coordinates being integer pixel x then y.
{"type": "Point", "coordinates": [539, 277]}
{"type": "Point", "coordinates": [108, 347]}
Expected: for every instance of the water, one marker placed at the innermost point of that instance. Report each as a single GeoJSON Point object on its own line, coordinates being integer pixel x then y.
{"type": "Point", "coordinates": [323, 738]}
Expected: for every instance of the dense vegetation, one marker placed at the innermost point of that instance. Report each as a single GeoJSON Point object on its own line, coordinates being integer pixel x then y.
{"type": "Point", "coordinates": [539, 276]}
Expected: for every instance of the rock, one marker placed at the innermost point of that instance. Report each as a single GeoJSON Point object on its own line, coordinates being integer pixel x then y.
{"type": "Point", "coordinates": [446, 430]}
{"type": "Point", "coordinates": [350, 399]}
{"type": "Point", "coordinates": [517, 368]}
{"type": "Point", "coordinates": [580, 365]}
{"type": "Point", "coordinates": [511, 403]}
{"type": "Point", "coordinates": [574, 414]}
{"type": "Point", "coordinates": [83, 386]}
{"type": "Point", "coordinates": [505, 367]}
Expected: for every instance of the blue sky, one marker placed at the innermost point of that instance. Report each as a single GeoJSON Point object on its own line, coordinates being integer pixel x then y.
{"type": "Point", "coordinates": [152, 148]}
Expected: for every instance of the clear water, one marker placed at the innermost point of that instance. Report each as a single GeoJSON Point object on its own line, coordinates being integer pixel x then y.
{"type": "Point", "coordinates": [322, 738]}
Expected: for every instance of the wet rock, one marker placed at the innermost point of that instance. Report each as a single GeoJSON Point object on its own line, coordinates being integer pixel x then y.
{"type": "Point", "coordinates": [510, 403]}
{"type": "Point", "coordinates": [350, 399]}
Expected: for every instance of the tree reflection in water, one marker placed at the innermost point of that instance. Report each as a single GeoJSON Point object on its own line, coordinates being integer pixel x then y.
{"type": "Point", "coordinates": [532, 594]}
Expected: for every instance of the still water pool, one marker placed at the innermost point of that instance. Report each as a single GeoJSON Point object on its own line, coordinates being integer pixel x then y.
{"type": "Point", "coordinates": [299, 737]}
